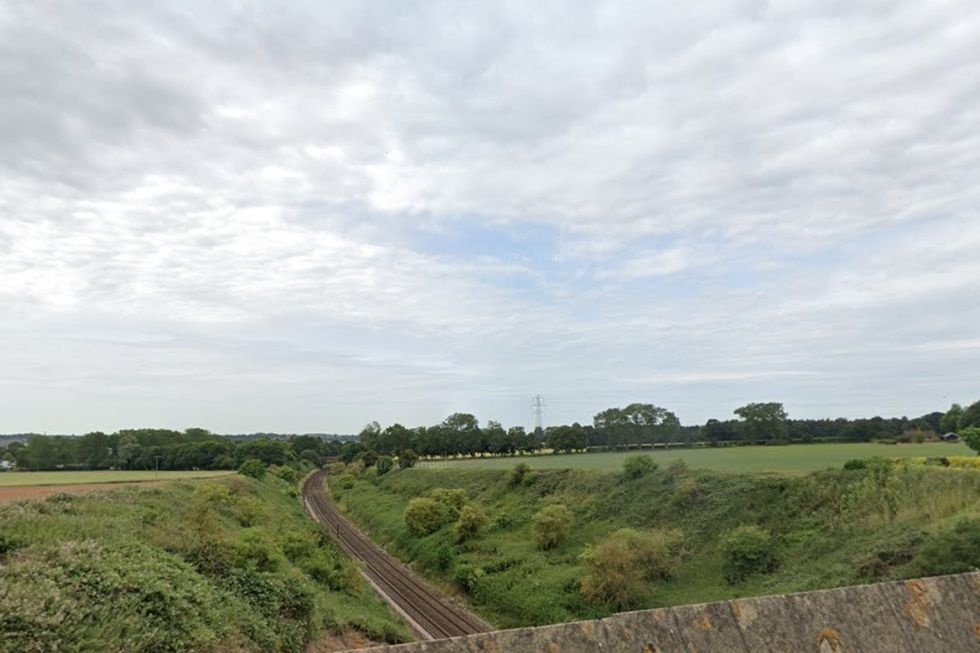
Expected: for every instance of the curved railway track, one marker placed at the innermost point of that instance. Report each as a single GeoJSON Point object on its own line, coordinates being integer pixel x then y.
{"type": "Point", "coordinates": [430, 614]}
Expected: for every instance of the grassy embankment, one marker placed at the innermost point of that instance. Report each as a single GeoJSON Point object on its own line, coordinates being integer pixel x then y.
{"type": "Point", "coordinates": [29, 479]}
{"type": "Point", "coordinates": [829, 529]}
{"type": "Point", "coordinates": [229, 564]}
{"type": "Point", "coordinates": [787, 459]}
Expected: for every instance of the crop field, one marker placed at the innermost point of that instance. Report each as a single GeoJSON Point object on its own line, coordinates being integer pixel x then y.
{"type": "Point", "coordinates": [789, 459]}
{"type": "Point", "coordinates": [24, 479]}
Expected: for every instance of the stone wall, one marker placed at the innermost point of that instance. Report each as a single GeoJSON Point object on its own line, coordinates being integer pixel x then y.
{"type": "Point", "coordinates": [926, 615]}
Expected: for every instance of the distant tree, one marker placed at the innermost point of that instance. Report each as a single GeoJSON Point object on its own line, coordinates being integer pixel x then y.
{"type": "Point", "coordinates": [971, 436]}
{"type": "Point", "coordinates": [970, 416]}
{"type": "Point", "coordinates": [252, 467]}
{"type": "Point", "coordinates": [94, 451]}
{"type": "Point", "coordinates": [950, 421]}
{"type": "Point", "coordinates": [763, 421]}
{"type": "Point", "coordinates": [407, 459]}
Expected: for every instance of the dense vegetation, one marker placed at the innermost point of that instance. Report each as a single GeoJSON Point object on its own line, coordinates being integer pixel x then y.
{"type": "Point", "coordinates": [230, 564]}
{"type": "Point", "coordinates": [557, 545]}
{"type": "Point", "coordinates": [460, 434]}
{"type": "Point", "coordinates": [166, 449]}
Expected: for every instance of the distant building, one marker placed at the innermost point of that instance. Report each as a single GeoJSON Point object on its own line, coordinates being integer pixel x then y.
{"type": "Point", "coordinates": [949, 437]}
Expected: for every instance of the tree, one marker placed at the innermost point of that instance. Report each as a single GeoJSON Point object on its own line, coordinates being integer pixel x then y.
{"type": "Point", "coordinates": [252, 467]}
{"type": "Point", "coordinates": [551, 526]}
{"type": "Point", "coordinates": [950, 420]}
{"type": "Point", "coordinates": [407, 459]}
{"type": "Point", "coordinates": [971, 436]}
{"type": "Point", "coordinates": [762, 421]}
{"type": "Point", "coordinates": [970, 416]}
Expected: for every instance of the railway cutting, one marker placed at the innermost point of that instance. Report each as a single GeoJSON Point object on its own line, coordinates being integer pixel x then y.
{"type": "Point", "coordinates": [429, 612]}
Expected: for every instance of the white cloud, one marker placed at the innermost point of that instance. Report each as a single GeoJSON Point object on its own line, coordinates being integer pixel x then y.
{"type": "Point", "coordinates": [313, 215]}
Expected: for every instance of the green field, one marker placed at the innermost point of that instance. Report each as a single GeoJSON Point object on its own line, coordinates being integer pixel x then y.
{"type": "Point", "coordinates": [790, 459]}
{"type": "Point", "coordinates": [22, 479]}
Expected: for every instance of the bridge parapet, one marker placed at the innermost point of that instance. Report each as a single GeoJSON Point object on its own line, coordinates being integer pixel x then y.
{"type": "Point", "coordinates": [924, 615]}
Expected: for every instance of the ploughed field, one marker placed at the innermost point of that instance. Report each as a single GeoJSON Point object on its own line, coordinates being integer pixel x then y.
{"type": "Point", "coordinates": [787, 459]}
{"type": "Point", "coordinates": [17, 486]}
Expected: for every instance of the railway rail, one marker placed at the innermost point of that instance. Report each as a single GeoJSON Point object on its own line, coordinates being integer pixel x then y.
{"type": "Point", "coordinates": [430, 614]}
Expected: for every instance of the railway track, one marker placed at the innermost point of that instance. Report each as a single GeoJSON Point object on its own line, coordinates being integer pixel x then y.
{"type": "Point", "coordinates": [430, 614]}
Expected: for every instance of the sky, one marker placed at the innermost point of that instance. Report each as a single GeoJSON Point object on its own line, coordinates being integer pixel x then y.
{"type": "Point", "coordinates": [304, 216]}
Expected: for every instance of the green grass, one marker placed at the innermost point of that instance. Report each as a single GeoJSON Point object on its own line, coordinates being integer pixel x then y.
{"type": "Point", "coordinates": [830, 528]}
{"type": "Point", "coordinates": [789, 459]}
{"type": "Point", "coordinates": [225, 564]}
{"type": "Point", "coordinates": [22, 479]}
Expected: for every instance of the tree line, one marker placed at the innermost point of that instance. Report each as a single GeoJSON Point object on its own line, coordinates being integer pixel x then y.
{"type": "Point", "coordinates": [165, 449]}
{"type": "Point", "coordinates": [461, 434]}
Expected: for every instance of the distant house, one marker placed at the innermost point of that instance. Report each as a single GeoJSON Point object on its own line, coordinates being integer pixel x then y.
{"type": "Point", "coordinates": [949, 437]}
{"type": "Point", "coordinates": [6, 465]}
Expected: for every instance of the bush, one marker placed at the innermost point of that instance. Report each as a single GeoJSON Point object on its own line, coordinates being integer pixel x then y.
{"type": "Point", "coordinates": [747, 550]}
{"type": "Point", "coordinates": [285, 473]}
{"type": "Point", "coordinates": [356, 468]}
{"type": "Point", "coordinates": [638, 466]}
{"type": "Point", "coordinates": [384, 465]}
{"type": "Point", "coordinates": [407, 459]}
{"type": "Point", "coordinates": [518, 473]}
{"type": "Point", "coordinates": [345, 481]}
{"type": "Point", "coordinates": [426, 515]}
{"type": "Point", "coordinates": [617, 568]}
{"type": "Point", "coordinates": [856, 463]}
{"type": "Point", "coordinates": [369, 457]}
{"type": "Point", "coordinates": [898, 549]}
{"type": "Point", "coordinates": [467, 576]}
{"type": "Point", "coordinates": [551, 526]}
{"type": "Point", "coordinates": [471, 521]}
{"type": "Point", "coordinates": [253, 467]}
{"type": "Point", "coordinates": [952, 551]}
{"type": "Point", "coordinates": [452, 499]}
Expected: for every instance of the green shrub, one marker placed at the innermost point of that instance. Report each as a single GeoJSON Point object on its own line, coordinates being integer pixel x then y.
{"type": "Point", "coordinates": [407, 459]}
{"type": "Point", "coordinates": [518, 473]}
{"type": "Point", "coordinates": [467, 575]}
{"type": "Point", "coordinates": [345, 481]}
{"type": "Point", "coordinates": [285, 473]}
{"type": "Point", "coordinates": [127, 597]}
{"type": "Point", "coordinates": [336, 469]}
{"type": "Point", "coordinates": [252, 467]}
{"type": "Point", "coordinates": [384, 465]}
{"type": "Point", "coordinates": [952, 551]}
{"type": "Point", "coordinates": [638, 466]}
{"type": "Point", "coordinates": [425, 515]}
{"type": "Point", "coordinates": [452, 499]}
{"type": "Point", "coordinates": [551, 526]}
{"type": "Point", "coordinates": [617, 570]}
{"type": "Point", "coordinates": [896, 549]}
{"type": "Point", "coordinates": [471, 521]}
{"type": "Point", "coordinates": [747, 550]}
{"type": "Point", "coordinates": [971, 436]}
{"type": "Point", "coordinates": [356, 468]}
{"type": "Point", "coordinates": [856, 463]}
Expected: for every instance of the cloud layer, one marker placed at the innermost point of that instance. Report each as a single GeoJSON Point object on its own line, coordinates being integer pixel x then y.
{"type": "Point", "coordinates": [305, 217]}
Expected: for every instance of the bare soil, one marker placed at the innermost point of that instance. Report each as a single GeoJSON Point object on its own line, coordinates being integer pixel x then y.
{"type": "Point", "coordinates": [8, 494]}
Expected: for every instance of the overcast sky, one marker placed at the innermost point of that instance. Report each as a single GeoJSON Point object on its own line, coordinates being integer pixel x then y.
{"type": "Point", "coordinates": [304, 216]}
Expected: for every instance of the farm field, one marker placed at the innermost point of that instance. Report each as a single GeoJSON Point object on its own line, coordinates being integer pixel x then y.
{"type": "Point", "coordinates": [23, 479]}
{"type": "Point", "coordinates": [790, 459]}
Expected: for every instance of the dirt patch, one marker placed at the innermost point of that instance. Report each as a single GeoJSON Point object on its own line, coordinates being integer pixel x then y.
{"type": "Point", "coordinates": [340, 642]}
{"type": "Point", "coordinates": [8, 494]}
